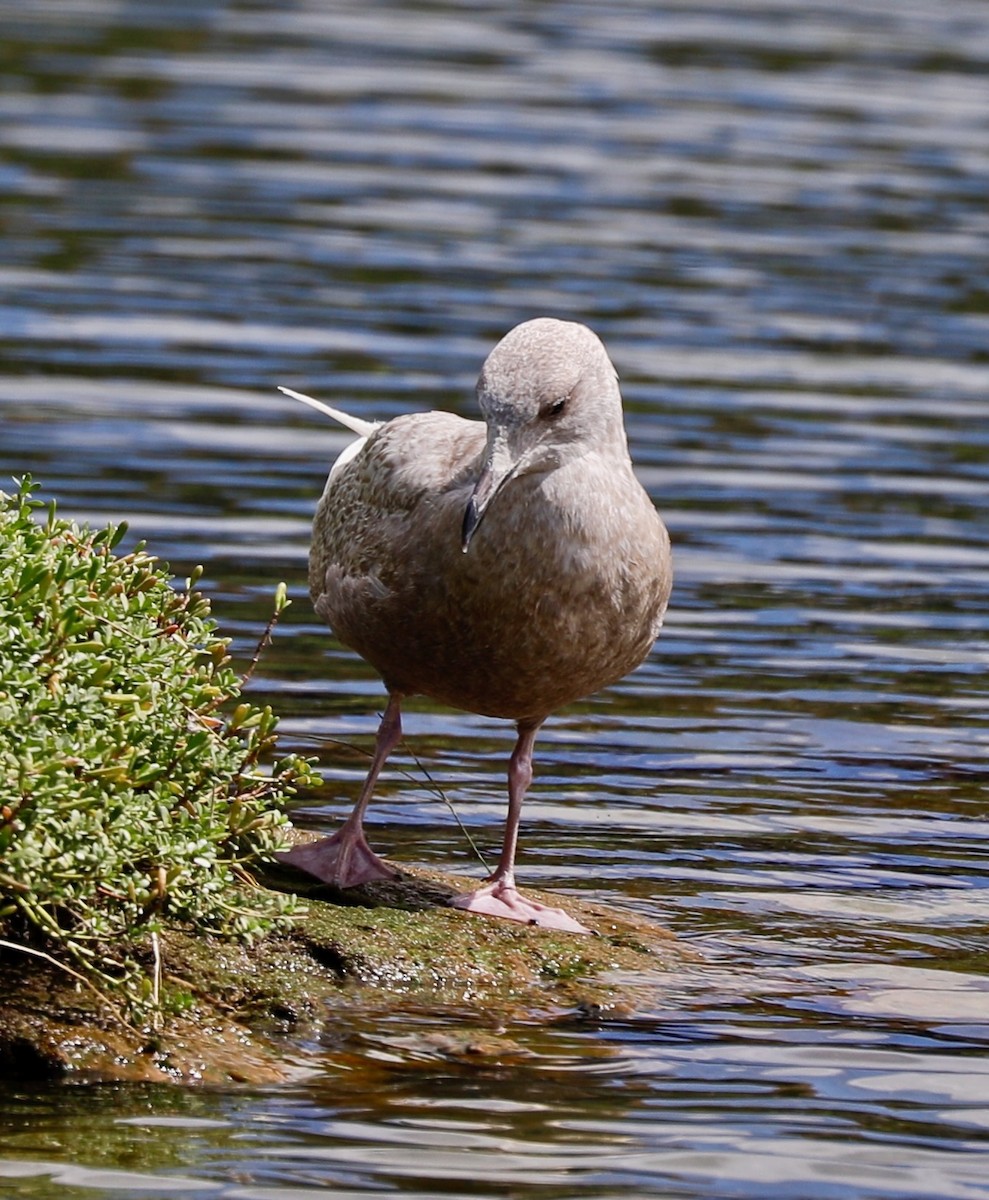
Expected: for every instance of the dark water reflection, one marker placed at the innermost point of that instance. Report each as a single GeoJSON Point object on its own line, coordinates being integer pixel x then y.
{"type": "Point", "coordinates": [776, 218]}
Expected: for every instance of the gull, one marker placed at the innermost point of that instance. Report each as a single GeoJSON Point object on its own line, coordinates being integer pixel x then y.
{"type": "Point", "coordinates": [506, 567]}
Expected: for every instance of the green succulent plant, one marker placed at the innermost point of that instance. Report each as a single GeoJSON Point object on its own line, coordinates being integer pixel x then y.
{"type": "Point", "coordinates": [134, 791]}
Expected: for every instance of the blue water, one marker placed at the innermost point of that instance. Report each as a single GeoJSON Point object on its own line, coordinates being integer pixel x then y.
{"type": "Point", "coordinates": [776, 218]}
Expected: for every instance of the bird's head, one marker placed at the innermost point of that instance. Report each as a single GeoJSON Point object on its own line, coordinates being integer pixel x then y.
{"type": "Point", "coordinates": [548, 394]}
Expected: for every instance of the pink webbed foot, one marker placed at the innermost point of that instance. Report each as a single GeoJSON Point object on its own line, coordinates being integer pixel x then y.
{"type": "Point", "coordinates": [343, 860]}
{"type": "Point", "coordinates": [501, 899]}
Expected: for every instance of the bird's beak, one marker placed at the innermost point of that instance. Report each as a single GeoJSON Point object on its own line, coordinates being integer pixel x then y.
{"type": "Point", "coordinates": [500, 464]}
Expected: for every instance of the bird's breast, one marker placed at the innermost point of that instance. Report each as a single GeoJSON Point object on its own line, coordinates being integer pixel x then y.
{"type": "Point", "coordinates": [559, 594]}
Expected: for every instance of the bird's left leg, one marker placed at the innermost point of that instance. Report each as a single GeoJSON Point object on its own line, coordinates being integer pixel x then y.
{"type": "Point", "coordinates": [345, 859]}
{"type": "Point", "coordinates": [499, 897]}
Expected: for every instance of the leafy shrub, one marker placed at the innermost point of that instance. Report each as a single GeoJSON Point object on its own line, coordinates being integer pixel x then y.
{"type": "Point", "coordinates": [126, 801]}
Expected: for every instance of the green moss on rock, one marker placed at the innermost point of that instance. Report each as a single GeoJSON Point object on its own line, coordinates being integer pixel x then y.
{"type": "Point", "coordinates": [255, 1013]}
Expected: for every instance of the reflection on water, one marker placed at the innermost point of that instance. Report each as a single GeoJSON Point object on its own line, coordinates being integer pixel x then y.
{"type": "Point", "coordinates": [776, 219]}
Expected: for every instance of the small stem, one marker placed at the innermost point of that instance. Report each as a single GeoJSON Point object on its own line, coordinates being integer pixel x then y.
{"type": "Point", "coordinates": [263, 644]}
{"type": "Point", "coordinates": [77, 975]}
{"type": "Point", "coordinates": [156, 983]}
{"type": "Point", "coordinates": [449, 803]}
{"type": "Point", "coordinates": [412, 779]}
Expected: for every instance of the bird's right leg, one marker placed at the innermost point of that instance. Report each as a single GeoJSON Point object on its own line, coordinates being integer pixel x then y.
{"type": "Point", "coordinates": [345, 859]}
{"type": "Point", "coordinates": [499, 897]}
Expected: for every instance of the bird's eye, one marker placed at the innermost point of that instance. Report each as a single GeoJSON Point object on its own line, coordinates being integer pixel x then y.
{"type": "Point", "coordinates": [555, 409]}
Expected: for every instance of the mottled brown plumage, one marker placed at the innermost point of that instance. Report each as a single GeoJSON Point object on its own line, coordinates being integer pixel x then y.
{"type": "Point", "coordinates": [506, 568]}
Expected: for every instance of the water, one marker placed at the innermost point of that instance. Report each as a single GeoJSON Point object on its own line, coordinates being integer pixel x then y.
{"type": "Point", "coordinates": [776, 218]}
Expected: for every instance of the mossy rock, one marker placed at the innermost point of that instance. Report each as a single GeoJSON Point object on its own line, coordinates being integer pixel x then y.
{"type": "Point", "coordinates": [255, 1013]}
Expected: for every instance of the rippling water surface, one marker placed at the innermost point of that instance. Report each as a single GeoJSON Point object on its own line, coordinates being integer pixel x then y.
{"type": "Point", "coordinates": [776, 217]}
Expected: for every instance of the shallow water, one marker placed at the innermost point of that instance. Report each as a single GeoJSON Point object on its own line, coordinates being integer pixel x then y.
{"type": "Point", "coordinates": [776, 218]}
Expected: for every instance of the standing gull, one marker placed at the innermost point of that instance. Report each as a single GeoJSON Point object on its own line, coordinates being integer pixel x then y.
{"type": "Point", "coordinates": [506, 568]}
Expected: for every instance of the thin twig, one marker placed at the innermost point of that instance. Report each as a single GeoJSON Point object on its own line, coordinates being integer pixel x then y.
{"type": "Point", "coordinates": [448, 802]}
{"type": "Point", "coordinates": [156, 983]}
{"type": "Point", "coordinates": [75, 975]}
{"type": "Point", "coordinates": [262, 645]}
{"type": "Point", "coordinates": [412, 779]}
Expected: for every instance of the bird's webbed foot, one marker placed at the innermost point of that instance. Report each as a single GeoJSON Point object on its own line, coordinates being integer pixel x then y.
{"type": "Point", "coordinates": [501, 898]}
{"type": "Point", "coordinates": [343, 860]}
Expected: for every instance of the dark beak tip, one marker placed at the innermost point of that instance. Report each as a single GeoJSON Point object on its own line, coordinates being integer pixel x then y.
{"type": "Point", "coordinates": [471, 521]}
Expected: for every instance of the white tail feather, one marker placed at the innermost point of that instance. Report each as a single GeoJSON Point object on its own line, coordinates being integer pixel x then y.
{"type": "Point", "coordinates": [354, 424]}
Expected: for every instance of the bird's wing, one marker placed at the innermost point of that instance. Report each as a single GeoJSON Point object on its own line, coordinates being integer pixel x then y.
{"type": "Point", "coordinates": [354, 424]}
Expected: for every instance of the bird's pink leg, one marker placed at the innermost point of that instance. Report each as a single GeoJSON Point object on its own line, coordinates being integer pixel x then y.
{"type": "Point", "coordinates": [499, 897]}
{"type": "Point", "coordinates": [345, 859]}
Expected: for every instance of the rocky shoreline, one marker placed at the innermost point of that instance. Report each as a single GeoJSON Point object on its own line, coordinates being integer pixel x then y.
{"type": "Point", "coordinates": [256, 1013]}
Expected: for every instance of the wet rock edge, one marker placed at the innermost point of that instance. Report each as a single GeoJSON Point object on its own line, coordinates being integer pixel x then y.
{"type": "Point", "coordinates": [255, 1014]}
